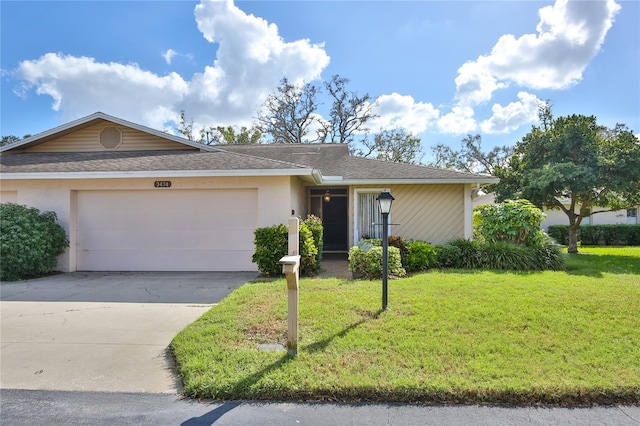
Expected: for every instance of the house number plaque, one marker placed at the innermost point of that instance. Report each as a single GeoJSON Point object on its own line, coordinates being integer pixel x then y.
{"type": "Point", "coordinates": [162, 184]}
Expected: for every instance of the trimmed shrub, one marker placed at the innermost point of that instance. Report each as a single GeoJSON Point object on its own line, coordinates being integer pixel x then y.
{"type": "Point", "coordinates": [368, 263]}
{"type": "Point", "coordinates": [272, 243]}
{"type": "Point", "coordinates": [420, 256]}
{"type": "Point", "coordinates": [617, 234]}
{"type": "Point", "coordinates": [30, 242]}
{"type": "Point", "coordinates": [560, 233]}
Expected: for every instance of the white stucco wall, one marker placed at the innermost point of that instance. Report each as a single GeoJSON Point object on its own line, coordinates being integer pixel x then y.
{"type": "Point", "coordinates": [275, 198]}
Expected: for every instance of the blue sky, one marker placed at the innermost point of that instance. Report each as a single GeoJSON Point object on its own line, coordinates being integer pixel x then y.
{"type": "Point", "coordinates": [440, 69]}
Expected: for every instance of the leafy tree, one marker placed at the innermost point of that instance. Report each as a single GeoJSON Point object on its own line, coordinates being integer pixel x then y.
{"type": "Point", "coordinates": [219, 135]}
{"type": "Point", "coordinates": [470, 157]}
{"type": "Point", "coordinates": [395, 145]}
{"type": "Point", "coordinates": [349, 113]}
{"type": "Point", "coordinates": [6, 140]}
{"type": "Point", "coordinates": [573, 160]}
{"type": "Point", "coordinates": [289, 113]}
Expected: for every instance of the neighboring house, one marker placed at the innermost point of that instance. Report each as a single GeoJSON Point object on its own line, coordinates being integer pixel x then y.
{"type": "Point", "coordinates": [136, 199]}
{"type": "Point", "coordinates": [597, 215]}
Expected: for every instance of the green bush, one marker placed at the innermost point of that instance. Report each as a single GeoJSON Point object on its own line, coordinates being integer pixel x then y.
{"type": "Point", "coordinates": [272, 243]}
{"type": "Point", "coordinates": [314, 223]}
{"type": "Point", "coordinates": [470, 253]}
{"type": "Point", "coordinates": [467, 254]}
{"type": "Point", "coordinates": [448, 256]}
{"type": "Point", "coordinates": [308, 251]}
{"type": "Point", "coordinates": [513, 221]}
{"type": "Point", "coordinates": [508, 256]}
{"type": "Point", "coordinates": [560, 233]}
{"type": "Point", "coordinates": [368, 263]}
{"type": "Point", "coordinates": [618, 234]}
{"type": "Point", "coordinates": [420, 256]}
{"type": "Point", "coordinates": [30, 242]}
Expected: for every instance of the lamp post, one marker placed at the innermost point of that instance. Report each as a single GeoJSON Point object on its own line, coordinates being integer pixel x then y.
{"type": "Point", "coordinates": [385, 199]}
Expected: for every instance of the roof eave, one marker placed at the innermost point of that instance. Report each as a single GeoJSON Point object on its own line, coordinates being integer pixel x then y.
{"type": "Point", "coordinates": [347, 182]}
{"type": "Point", "coordinates": [160, 174]}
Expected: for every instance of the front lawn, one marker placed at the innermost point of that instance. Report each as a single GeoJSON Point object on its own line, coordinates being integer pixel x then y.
{"type": "Point", "coordinates": [562, 338]}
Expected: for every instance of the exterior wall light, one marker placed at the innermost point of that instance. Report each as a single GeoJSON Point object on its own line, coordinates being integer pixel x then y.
{"type": "Point", "coordinates": [327, 196]}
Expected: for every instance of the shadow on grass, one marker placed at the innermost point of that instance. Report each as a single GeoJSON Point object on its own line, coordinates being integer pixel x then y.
{"type": "Point", "coordinates": [322, 344]}
{"type": "Point", "coordinates": [595, 266]}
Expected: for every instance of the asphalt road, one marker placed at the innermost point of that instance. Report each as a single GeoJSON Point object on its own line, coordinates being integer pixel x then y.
{"type": "Point", "coordinates": [21, 407]}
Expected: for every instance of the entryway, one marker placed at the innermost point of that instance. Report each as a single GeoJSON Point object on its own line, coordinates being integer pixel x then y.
{"type": "Point", "coordinates": [332, 206]}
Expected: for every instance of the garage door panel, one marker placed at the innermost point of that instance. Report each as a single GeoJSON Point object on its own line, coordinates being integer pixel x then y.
{"type": "Point", "coordinates": [166, 261]}
{"type": "Point", "coordinates": [166, 230]}
{"type": "Point", "coordinates": [104, 240]}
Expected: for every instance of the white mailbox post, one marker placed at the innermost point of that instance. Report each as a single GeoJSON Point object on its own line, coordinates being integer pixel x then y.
{"type": "Point", "coordinates": [291, 269]}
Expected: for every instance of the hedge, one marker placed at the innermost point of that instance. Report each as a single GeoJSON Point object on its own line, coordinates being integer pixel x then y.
{"type": "Point", "coordinates": [620, 234]}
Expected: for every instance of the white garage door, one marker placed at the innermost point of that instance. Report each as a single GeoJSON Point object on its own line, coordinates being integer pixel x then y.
{"type": "Point", "coordinates": [166, 230]}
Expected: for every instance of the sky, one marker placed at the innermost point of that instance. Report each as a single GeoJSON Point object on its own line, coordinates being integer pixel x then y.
{"type": "Point", "coordinates": [438, 69]}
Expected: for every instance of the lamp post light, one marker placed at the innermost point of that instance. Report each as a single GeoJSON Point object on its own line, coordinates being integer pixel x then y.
{"type": "Point", "coordinates": [385, 199]}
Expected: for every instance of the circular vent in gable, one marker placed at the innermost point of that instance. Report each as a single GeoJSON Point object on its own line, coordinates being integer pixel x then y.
{"type": "Point", "coordinates": [110, 137]}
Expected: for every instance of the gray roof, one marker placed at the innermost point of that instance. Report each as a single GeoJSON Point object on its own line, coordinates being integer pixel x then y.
{"type": "Point", "coordinates": [128, 161]}
{"type": "Point", "coordinates": [324, 163]}
{"type": "Point", "coordinates": [334, 160]}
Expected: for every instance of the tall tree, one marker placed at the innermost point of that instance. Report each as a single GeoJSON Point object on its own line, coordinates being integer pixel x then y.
{"type": "Point", "coordinates": [289, 113]}
{"type": "Point", "coordinates": [6, 140]}
{"type": "Point", "coordinates": [234, 135]}
{"type": "Point", "coordinates": [573, 164]}
{"type": "Point", "coordinates": [470, 157]}
{"type": "Point", "coordinates": [219, 135]}
{"type": "Point", "coordinates": [349, 113]}
{"type": "Point", "coordinates": [395, 145]}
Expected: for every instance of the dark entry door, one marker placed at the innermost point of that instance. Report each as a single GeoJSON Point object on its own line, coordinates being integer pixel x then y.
{"type": "Point", "coordinates": [334, 219]}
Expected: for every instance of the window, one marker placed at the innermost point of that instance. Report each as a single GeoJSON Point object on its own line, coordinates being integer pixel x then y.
{"type": "Point", "coordinates": [368, 219]}
{"type": "Point", "coordinates": [110, 137]}
{"type": "Point", "coordinates": [632, 216]}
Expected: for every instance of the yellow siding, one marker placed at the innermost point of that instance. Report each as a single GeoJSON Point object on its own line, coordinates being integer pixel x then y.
{"type": "Point", "coordinates": [88, 139]}
{"type": "Point", "coordinates": [432, 213]}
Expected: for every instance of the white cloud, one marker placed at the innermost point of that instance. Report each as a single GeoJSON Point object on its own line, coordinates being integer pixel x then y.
{"type": "Point", "coordinates": [402, 111]}
{"type": "Point", "coordinates": [508, 118]}
{"type": "Point", "coordinates": [168, 55]}
{"type": "Point", "coordinates": [80, 86]}
{"type": "Point", "coordinates": [569, 35]}
{"type": "Point", "coordinates": [458, 122]}
{"type": "Point", "coordinates": [250, 61]}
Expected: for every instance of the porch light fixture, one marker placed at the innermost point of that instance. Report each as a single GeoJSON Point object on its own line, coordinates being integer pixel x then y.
{"type": "Point", "coordinates": [327, 196]}
{"type": "Point", "coordinates": [385, 199]}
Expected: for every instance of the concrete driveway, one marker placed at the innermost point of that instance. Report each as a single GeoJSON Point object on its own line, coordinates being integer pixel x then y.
{"type": "Point", "coordinates": [102, 331]}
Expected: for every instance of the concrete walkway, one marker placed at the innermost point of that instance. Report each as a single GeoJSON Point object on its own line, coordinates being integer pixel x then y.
{"type": "Point", "coordinates": [101, 332]}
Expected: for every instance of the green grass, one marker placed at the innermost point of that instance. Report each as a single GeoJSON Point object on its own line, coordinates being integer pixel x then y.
{"type": "Point", "coordinates": [561, 338]}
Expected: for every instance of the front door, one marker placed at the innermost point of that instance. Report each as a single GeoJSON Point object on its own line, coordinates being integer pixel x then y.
{"type": "Point", "coordinates": [332, 206]}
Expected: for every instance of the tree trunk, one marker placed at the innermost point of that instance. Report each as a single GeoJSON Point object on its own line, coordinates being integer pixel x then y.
{"type": "Point", "coordinates": [573, 238]}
